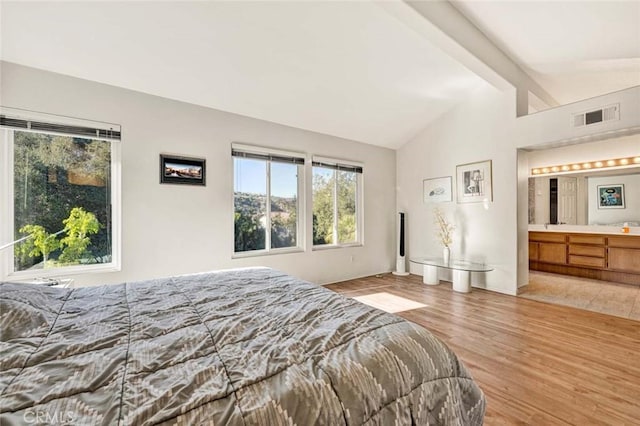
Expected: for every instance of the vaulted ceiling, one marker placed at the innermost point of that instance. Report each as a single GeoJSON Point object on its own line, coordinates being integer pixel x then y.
{"type": "Point", "coordinates": [348, 69]}
{"type": "Point", "coordinates": [574, 49]}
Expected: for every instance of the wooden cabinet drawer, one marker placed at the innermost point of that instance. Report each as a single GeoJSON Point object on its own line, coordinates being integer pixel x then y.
{"type": "Point", "coordinates": [586, 250]}
{"type": "Point", "coordinates": [591, 262]}
{"type": "Point", "coordinates": [533, 251]}
{"type": "Point", "coordinates": [552, 253]}
{"type": "Point", "coordinates": [587, 239]}
{"type": "Point", "coordinates": [628, 242]}
{"type": "Point", "coordinates": [624, 260]}
{"type": "Point", "coordinates": [550, 237]}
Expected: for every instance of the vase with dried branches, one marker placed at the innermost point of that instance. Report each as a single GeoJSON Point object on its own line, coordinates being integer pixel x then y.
{"type": "Point", "coordinates": [445, 233]}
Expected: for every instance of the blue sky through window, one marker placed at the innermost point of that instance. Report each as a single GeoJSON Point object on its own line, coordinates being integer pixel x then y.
{"type": "Point", "coordinates": [250, 176]}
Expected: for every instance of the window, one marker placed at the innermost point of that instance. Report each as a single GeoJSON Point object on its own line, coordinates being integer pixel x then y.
{"type": "Point", "coordinates": [337, 207]}
{"type": "Point", "coordinates": [60, 182]}
{"type": "Point", "coordinates": [267, 188]}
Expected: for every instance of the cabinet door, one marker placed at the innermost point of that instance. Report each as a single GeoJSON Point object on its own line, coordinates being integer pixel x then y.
{"type": "Point", "coordinates": [552, 253]}
{"type": "Point", "coordinates": [624, 260]}
{"type": "Point", "coordinates": [588, 261]}
{"type": "Point", "coordinates": [581, 250]}
{"type": "Point", "coordinates": [533, 251]}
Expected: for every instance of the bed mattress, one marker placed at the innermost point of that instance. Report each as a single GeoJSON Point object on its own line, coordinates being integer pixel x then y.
{"type": "Point", "coordinates": [239, 347]}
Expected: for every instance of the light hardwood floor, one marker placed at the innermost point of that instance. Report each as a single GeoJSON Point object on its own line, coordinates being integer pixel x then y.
{"type": "Point", "coordinates": [537, 363]}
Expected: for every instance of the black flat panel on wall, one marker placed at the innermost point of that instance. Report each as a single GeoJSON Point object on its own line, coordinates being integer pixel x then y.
{"type": "Point", "coordinates": [553, 201]}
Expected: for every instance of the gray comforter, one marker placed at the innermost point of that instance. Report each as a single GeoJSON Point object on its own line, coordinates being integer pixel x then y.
{"type": "Point", "coordinates": [252, 346]}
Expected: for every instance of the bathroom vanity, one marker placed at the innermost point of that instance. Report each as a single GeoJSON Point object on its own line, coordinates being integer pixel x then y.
{"type": "Point", "coordinates": [607, 255]}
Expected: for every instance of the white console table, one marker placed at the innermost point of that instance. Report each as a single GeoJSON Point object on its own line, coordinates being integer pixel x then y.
{"type": "Point", "coordinates": [461, 271]}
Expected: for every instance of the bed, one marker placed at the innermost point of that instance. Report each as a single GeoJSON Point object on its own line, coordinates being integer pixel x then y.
{"type": "Point", "coordinates": [240, 347]}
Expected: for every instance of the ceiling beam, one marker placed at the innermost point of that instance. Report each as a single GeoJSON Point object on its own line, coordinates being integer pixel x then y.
{"type": "Point", "coordinates": [445, 26]}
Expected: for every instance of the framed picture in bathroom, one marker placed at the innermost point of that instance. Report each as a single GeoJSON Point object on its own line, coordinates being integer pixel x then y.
{"type": "Point", "coordinates": [611, 196]}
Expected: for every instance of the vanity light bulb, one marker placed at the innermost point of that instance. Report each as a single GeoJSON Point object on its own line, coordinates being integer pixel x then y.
{"type": "Point", "coordinates": [636, 160]}
{"type": "Point", "coordinates": [536, 171]}
{"type": "Point", "coordinates": [545, 170]}
{"type": "Point", "coordinates": [555, 168]}
{"type": "Point", "coordinates": [576, 167]}
{"type": "Point", "coordinates": [624, 161]}
{"type": "Point", "coordinates": [598, 163]}
{"type": "Point", "coordinates": [587, 165]}
{"type": "Point", "coordinates": [565, 168]}
{"type": "Point", "coordinates": [611, 163]}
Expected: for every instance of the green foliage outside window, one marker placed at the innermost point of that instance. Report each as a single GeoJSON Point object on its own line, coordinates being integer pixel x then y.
{"type": "Point", "coordinates": [78, 227]}
{"type": "Point", "coordinates": [324, 207]}
{"type": "Point", "coordinates": [53, 175]}
{"type": "Point", "coordinates": [249, 222]}
{"type": "Point", "coordinates": [40, 243]}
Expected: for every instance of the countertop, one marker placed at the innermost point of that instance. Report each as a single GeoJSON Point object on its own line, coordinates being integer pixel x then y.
{"type": "Point", "coordinates": [634, 231]}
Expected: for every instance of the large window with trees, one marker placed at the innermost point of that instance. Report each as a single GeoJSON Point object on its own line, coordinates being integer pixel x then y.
{"type": "Point", "coordinates": [337, 209]}
{"type": "Point", "coordinates": [267, 188]}
{"type": "Point", "coordinates": [59, 182]}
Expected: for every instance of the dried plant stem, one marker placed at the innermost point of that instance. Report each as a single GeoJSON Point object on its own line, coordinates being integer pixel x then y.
{"type": "Point", "coordinates": [445, 229]}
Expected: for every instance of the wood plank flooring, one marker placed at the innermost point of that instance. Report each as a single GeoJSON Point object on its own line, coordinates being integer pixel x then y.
{"type": "Point", "coordinates": [537, 363]}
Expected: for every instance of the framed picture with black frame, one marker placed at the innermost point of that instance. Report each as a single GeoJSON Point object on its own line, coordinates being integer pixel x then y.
{"type": "Point", "coordinates": [611, 196]}
{"type": "Point", "coordinates": [182, 170]}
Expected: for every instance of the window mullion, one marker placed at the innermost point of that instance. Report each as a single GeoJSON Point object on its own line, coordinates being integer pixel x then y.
{"type": "Point", "coordinates": [300, 208]}
{"type": "Point", "coordinates": [335, 208]}
{"type": "Point", "coordinates": [358, 207]}
{"type": "Point", "coordinates": [267, 237]}
{"type": "Point", "coordinates": [7, 232]}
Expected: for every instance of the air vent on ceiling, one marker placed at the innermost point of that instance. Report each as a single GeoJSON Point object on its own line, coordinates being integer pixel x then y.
{"type": "Point", "coordinates": [607, 113]}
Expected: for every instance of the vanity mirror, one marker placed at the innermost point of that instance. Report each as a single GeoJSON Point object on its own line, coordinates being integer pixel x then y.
{"type": "Point", "coordinates": [567, 184]}
{"type": "Point", "coordinates": [577, 198]}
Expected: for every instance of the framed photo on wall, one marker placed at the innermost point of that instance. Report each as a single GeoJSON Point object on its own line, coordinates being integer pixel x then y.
{"type": "Point", "coordinates": [474, 182]}
{"type": "Point", "coordinates": [437, 190]}
{"type": "Point", "coordinates": [611, 196]}
{"type": "Point", "coordinates": [182, 170]}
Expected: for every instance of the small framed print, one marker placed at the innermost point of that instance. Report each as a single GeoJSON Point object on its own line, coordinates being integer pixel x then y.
{"type": "Point", "coordinates": [437, 190]}
{"type": "Point", "coordinates": [474, 182]}
{"type": "Point", "coordinates": [182, 170]}
{"type": "Point", "coordinates": [611, 196]}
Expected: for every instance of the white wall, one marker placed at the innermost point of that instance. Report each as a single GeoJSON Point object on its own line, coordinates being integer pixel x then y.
{"type": "Point", "coordinates": [631, 212]}
{"type": "Point", "coordinates": [553, 126]}
{"type": "Point", "coordinates": [481, 129]}
{"type": "Point", "coordinates": [619, 147]}
{"type": "Point", "coordinates": [154, 238]}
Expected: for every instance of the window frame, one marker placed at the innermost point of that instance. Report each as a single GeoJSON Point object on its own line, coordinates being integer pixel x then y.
{"type": "Point", "coordinates": [359, 201]}
{"type": "Point", "coordinates": [300, 202]}
{"type": "Point", "coordinates": [7, 269]}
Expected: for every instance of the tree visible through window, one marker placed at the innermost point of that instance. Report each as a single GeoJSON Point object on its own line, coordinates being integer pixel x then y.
{"type": "Point", "coordinates": [265, 198]}
{"type": "Point", "coordinates": [335, 205]}
{"type": "Point", "coordinates": [62, 200]}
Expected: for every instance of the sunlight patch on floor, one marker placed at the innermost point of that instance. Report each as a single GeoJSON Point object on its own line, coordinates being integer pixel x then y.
{"type": "Point", "coordinates": [389, 303]}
